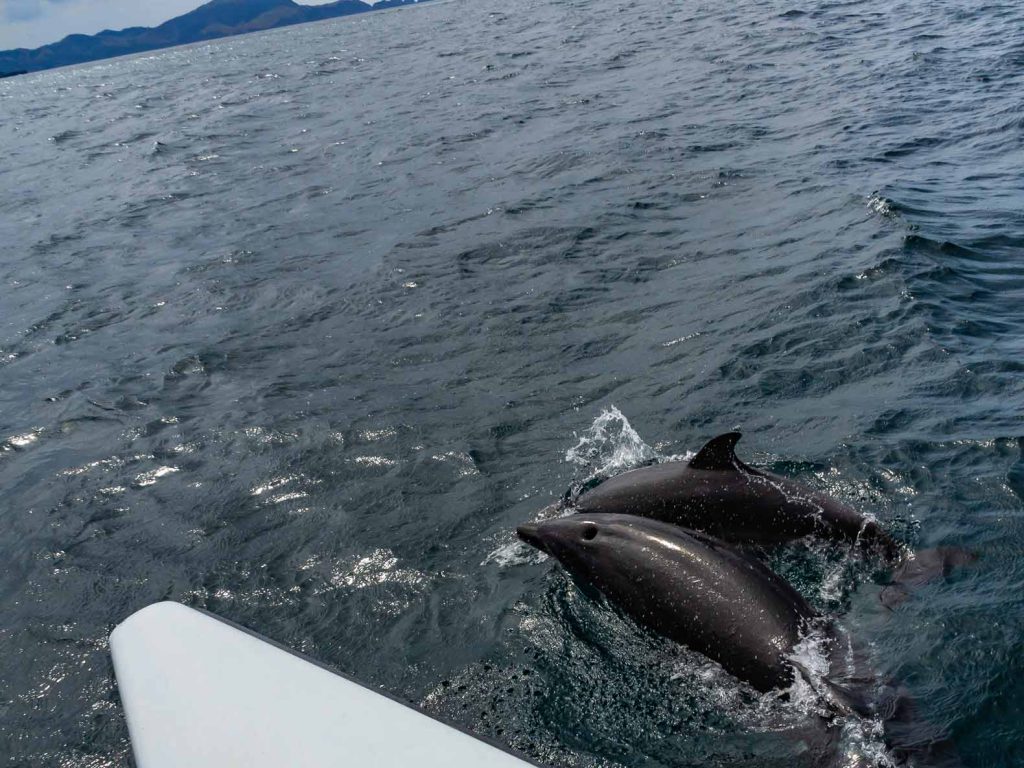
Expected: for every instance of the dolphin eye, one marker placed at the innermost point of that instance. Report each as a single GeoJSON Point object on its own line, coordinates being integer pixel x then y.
{"type": "Point", "coordinates": [590, 533]}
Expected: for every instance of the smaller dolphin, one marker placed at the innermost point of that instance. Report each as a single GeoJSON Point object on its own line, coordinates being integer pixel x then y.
{"type": "Point", "coordinates": [718, 494]}
{"type": "Point", "coordinates": [686, 586]}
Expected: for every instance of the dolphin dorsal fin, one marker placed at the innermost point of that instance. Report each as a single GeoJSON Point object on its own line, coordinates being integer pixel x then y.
{"type": "Point", "coordinates": [719, 453]}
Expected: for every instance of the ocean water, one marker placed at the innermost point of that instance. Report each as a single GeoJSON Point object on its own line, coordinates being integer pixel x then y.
{"type": "Point", "coordinates": [296, 327]}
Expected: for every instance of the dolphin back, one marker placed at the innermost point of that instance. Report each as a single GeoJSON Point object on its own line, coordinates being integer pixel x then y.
{"type": "Point", "coordinates": [716, 493]}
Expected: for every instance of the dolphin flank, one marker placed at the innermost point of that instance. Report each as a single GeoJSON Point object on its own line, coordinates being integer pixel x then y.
{"type": "Point", "coordinates": [687, 586]}
{"type": "Point", "coordinates": [718, 494]}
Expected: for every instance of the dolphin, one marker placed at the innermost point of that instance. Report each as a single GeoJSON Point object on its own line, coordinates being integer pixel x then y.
{"type": "Point", "coordinates": [724, 603]}
{"type": "Point", "coordinates": [687, 586]}
{"type": "Point", "coordinates": [716, 493]}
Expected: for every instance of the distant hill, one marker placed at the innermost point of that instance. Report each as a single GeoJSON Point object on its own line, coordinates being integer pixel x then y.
{"type": "Point", "coordinates": [218, 18]}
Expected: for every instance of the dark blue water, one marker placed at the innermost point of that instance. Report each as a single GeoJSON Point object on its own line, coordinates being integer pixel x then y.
{"type": "Point", "coordinates": [296, 327]}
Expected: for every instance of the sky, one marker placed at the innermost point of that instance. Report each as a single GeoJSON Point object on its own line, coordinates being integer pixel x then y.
{"type": "Point", "coordinates": [31, 23]}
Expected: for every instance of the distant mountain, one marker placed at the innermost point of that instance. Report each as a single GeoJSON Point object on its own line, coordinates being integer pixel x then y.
{"type": "Point", "coordinates": [218, 18]}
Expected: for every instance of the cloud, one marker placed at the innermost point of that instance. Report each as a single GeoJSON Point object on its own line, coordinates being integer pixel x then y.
{"type": "Point", "coordinates": [27, 10]}
{"type": "Point", "coordinates": [21, 10]}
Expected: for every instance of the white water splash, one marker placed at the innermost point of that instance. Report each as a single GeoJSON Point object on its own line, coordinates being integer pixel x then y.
{"type": "Point", "coordinates": [512, 551]}
{"type": "Point", "coordinates": [20, 442]}
{"type": "Point", "coordinates": [147, 479]}
{"type": "Point", "coordinates": [861, 739]}
{"type": "Point", "coordinates": [881, 205]}
{"type": "Point", "coordinates": [610, 446]}
{"type": "Point", "coordinates": [834, 581]}
{"type": "Point", "coordinates": [811, 654]}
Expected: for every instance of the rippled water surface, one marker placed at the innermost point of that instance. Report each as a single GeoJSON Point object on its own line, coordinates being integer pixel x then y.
{"type": "Point", "coordinates": [296, 327]}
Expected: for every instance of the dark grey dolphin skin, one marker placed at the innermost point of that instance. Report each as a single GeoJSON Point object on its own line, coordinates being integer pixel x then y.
{"type": "Point", "coordinates": [688, 586]}
{"type": "Point", "coordinates": [726, 604]}
{"type": "Point", "coordinates": [718, 494]}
